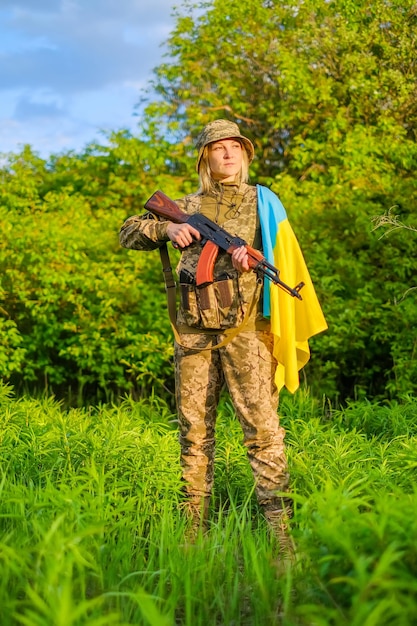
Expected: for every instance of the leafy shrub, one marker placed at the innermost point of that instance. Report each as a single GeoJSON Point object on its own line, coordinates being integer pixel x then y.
{"type": "Point", "coordinates": [81, 317]}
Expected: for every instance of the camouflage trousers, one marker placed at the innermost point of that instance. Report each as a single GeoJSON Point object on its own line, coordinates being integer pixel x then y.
{"type": "Point", "coordinates": [247, 367]}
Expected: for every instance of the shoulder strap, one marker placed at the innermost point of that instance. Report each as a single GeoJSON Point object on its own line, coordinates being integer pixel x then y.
{"type": "Point", "coordinates": [170, 288]}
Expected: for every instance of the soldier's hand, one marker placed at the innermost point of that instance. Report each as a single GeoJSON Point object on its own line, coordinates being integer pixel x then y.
{"type": "Point", "coordinates": [240, 259]}
{"type": "Point", "coordinates": [182, 234]}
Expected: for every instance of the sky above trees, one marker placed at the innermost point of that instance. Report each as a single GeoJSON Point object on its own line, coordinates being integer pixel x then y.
{"type": "Point", "coordinates": [70, 69]}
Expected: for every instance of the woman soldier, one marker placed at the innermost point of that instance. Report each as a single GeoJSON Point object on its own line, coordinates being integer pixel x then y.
{"type": "Point", "coordinates": [223, 336]}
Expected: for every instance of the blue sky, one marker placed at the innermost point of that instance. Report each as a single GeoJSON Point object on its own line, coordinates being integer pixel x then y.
{"type": "Point", "coordinates": [70, 69]}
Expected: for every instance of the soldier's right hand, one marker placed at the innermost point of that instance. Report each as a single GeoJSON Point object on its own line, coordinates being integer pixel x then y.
{"type": "Point", "coordinates": [182, 234]}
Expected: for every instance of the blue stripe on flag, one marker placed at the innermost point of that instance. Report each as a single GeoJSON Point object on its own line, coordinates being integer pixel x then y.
{"type": "Point", "coordinates": [271, 213]}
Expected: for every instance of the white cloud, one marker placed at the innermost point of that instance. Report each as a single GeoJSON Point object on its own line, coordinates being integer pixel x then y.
{"type": "Point", "coordinates": [81, 62]}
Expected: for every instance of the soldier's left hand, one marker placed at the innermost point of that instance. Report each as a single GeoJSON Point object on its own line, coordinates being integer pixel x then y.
{"type": "Point", "coordinates": [240, 259]}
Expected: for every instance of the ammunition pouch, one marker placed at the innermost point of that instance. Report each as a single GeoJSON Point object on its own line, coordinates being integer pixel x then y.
{"type": "Point", "coordinates": [215, 306]}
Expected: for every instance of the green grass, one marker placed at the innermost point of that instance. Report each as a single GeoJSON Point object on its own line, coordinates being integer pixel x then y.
{"type": "Point", "coordinates": [92, 530]}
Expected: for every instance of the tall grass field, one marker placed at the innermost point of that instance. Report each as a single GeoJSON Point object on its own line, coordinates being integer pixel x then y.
{"type": "Point", "coordinates": [92, 530]}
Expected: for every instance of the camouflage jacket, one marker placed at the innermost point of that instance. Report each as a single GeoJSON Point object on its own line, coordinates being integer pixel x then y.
{"type": "Point", "coordinates": [225, 303]}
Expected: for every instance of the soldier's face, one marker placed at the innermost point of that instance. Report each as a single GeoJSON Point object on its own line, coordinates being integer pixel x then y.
{"type": "Point", "coordinates": [225, 159]}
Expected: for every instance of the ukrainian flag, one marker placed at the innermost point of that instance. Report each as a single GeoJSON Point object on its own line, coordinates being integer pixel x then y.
{"type": "Point", "coordinates": [293, 321]}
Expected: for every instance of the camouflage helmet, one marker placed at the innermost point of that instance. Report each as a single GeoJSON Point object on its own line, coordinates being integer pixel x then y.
{"type": "Point", "coordinates": [222, 129]}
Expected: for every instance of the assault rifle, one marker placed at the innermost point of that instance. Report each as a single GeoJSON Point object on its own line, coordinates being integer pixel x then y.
{"type": "Point", "coordinates": [214, 237]}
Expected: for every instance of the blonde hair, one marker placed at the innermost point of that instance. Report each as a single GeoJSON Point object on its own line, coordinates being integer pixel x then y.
{"type": "Point", "coordinates": [208, 184]}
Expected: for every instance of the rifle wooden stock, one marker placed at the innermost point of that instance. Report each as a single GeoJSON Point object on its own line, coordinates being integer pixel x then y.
{"type": "Point", "coordinates": [163, 206]}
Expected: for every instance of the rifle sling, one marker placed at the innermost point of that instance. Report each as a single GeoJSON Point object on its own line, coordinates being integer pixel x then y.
{"type": "Point", "coordinates": [171, 291]}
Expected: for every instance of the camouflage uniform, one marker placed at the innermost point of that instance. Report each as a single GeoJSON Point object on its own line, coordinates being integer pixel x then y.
{"type": "Point", "coordinates": [246, 366]}
{"type": "Point", "coordinates": [245, 363]}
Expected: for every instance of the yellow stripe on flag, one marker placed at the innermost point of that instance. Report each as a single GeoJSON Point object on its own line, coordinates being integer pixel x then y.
{"type": "Point", "coordinates": [293, 321]}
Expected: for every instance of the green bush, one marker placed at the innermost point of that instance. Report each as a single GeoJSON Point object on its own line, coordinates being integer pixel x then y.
{"type": "Point", "coordinates": [81, 317]}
